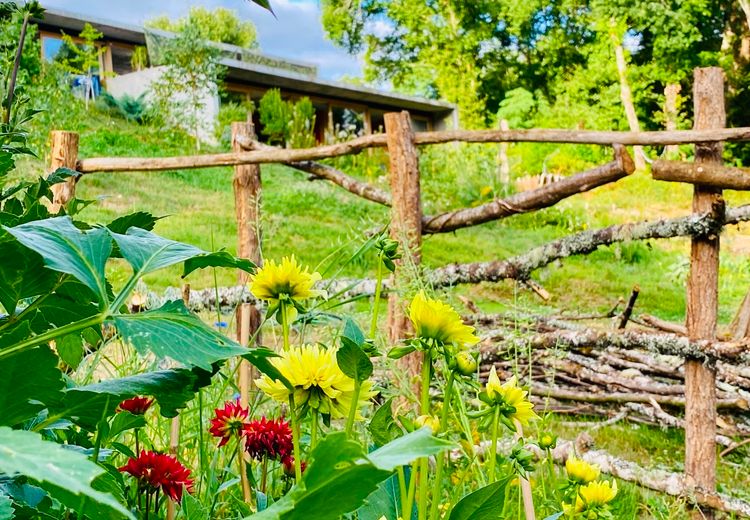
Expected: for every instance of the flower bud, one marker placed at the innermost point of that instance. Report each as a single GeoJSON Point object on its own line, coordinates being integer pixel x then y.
{"type": "Point", "coordinates": [466, 364]}
{"type": "Point", "coordinates": [547, 441]}
{"type": "Point", "coordinates": [428, 420]}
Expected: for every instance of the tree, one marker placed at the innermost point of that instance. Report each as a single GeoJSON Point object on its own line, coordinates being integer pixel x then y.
{"type": "Point", "coordinates": [83, 58]}
{"type": "Point", "coordinates": [188, 83]}
{"type": "Point", "coordinates": [220, 25]}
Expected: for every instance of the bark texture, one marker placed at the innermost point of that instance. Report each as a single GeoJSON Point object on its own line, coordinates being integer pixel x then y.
{"type": "Point", "coordinates": [702, 296]}
{"type": "Point", "coordinates": [64, 155]}
{"type": "Point", "coordinates": [541, 197]}
{"type": "Point", "coordinates": [711, 175]}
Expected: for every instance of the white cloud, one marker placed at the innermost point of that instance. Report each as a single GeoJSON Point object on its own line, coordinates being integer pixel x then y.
{"type": "Point", "coordinates": [295, 33]}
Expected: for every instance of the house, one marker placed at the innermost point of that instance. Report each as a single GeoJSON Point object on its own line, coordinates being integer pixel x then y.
{"type": "Point", "coordinates": [249, 75]}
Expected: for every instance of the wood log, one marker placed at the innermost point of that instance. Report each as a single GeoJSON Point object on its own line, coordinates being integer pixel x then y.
{"type": "Point", "coordinates": [715, 176]}
{"type": "Point", "coordinates": [702, 350]}
{"type": "Point", "coordinates": [323, 171]}
{"type": "Point", "coordinates": [628, 397]}
{"type": "Point", "coordinates": [659, 480]}
{"type": "Point", "coordinates": [543, 135]}
{"type": "Point", "coordinates": [541, 197]}
{"type": "Point", "coordinates": [666, 326]}
{"type": "Point", "coordinates": [703, 296]}
{"type": "Point", "coordinates": [740, 326]}
{"type": "Point", "coordinates": [64, 155]}
{"type": "Point", "coordinates": [629, 307]}
{"type": "Point", "coordinates": [406, 224]}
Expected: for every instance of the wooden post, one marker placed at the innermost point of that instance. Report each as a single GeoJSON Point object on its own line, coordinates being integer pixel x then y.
{"type": "Point", "coordinates": [64, 155]}
{"type": "Point", "coordinates": [503, 165]}
{"type": "Point", "coordinates": [406, 222]}
{"type": "Point", "coordinates": [702, 297]}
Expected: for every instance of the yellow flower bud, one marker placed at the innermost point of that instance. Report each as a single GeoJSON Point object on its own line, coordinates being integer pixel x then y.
{"type": "Point", "coordinates": [430, 421]}
{"type": "Point", "coordinates": [466, 364]}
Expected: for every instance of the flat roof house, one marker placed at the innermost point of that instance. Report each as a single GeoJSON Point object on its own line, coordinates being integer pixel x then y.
{"type": "Point", "coordinates": [249, 75]}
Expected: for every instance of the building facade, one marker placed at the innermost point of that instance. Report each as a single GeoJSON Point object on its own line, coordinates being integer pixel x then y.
{"type": "Point", "coordinates": [124, 70]}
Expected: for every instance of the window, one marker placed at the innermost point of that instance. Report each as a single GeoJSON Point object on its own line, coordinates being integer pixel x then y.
{"type": "Point", "coordinates": [122, 56]}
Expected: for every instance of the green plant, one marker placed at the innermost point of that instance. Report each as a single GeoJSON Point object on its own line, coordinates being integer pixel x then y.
{"type": "Point", "coordinates": [83, 58]}
{"type": "Point", "coordinates": [132, 109]}
{"type": "Point", "coordinates": [219, 25]}
{"type": "Point", "coordinates": [231, 113]}
{"type": "Point", "coordinates": [139, 59]}
{"type": "Point", "coordinates": [287, 122]}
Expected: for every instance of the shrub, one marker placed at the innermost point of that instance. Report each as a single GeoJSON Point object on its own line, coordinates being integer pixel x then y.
{"type": "Point", "coordinates": [286, 122]}
{"type": "Point", "coordinates": [229, 113]}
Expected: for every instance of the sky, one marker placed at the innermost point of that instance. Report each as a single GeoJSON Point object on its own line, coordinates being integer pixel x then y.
{"type": "Point", "coordinates": [295, 33]}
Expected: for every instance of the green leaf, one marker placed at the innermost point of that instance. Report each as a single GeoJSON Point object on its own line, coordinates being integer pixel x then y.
{"type": "Point", "coordinates": [30, 382]}
{"type": "Point", "coordinates": [139, 219]}
{"type": "Point", "coordinates": [342, 475]}
{"type": "Point", "coordinates": [61, 175]}
{"type": "Point", "coordinates": [172, 389]}
{"type": "Point", "coordinates": [147, 252]}
{"type": "Point", "coordinates": [353, 333]}
{"type": "Point", "coordinates": [172, 332]}
{"type": "Point", "coordinates": [70, 349]}
{"type": "Point", "coordinates": [483, 504]}
{"type": "Point", "coordinates": [217, 259]}
{"type": "Point", "coordinates": [266, 4]}
{"type": "Point", "coordinates": [192, 509]}
{"type": "Point", "coordinates": [402, 451]}
{"type": "Point", "coordinates": [383, 426]}
{"type": "Point", "coordinates": [125, 421]}
{"type": "Point", "coordinates": [66, 249]}
{"type": "Point", "coordinates": [65, 474]}
{"type": "Point", "coordinates": [353, 361]}
{"type": "Point", "coordinates": [6, 507]}
{"type": "Point", "coordinates": [24, 277]}
{"type": "Point", "coordinates": [399, 352]}
{"type": "Point", "coordinates": [385, 501]}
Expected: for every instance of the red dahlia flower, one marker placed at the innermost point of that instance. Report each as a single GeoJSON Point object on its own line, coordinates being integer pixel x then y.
{"type": "Point", "coordinates": [135, 405]}
{"type": "Point", "coordinates": [228, 422]}
{"type": "Point", "coordinates": [271, 439]}
{"type": "Point", "coordinates": [160, 471]}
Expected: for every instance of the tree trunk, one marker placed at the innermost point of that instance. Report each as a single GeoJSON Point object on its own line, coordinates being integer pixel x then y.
{"type": "Point", "coordinates": [626, 97]}
{"type": "Point", "coordinates": [64, 155]}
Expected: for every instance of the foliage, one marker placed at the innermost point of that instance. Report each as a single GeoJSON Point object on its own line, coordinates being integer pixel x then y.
{"type": "Point", "coordinates": [139, 60]}
{"type": "Point", "coordinates": [83, 58]}
{"type": "Point", "coordinates": [220, 25]}
{"type": "Point", "coordinates": [287, 122]}
{"type": "Point", "coordinates": [189, 81]}
{"type": "Point", "coordinates": [231, 112]}
{"type": "Point", "coordinates": [132, 109]}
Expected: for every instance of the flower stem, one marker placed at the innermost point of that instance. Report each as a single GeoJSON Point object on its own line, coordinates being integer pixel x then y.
{"type": "Point", "coordinates": [425, 410]}
{"type": "Point", "coordinates": [285, 325]}
{"type": "Point", "coordinates": [493, 445]}
{"type": "Point", "coordinates": [295, 440]}
{"type": "Point", "coordinates": [376, 301]}
{"type": "Point", "coordinates": [221, 481]}
{"type": "Point", "coordinates": [314, 430]}
{"type": "Point", "coordinates": [402, 490]}
{"type": "Point", "coordinates": [246, 491]}
{"type": "Point", "coordinates": [409, 504]}
{"type": "Point", "coordinates": [440, 457]}
{"type": "Point", "coordinates": [353, 408]}
{"type": "Point", "coordinates": [263, 474]}
{"type": "Point", "coordinates": [137, 444]}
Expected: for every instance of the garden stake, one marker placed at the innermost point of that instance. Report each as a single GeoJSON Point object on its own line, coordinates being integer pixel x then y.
{"type": "Point", "coordinates": [528, 499]}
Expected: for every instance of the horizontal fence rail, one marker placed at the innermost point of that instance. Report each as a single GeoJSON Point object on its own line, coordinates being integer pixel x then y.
{"type": "Point", "coordinates": [277, 155]}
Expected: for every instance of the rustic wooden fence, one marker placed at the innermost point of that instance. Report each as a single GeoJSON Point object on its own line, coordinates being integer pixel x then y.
{"type": "Point", "coordinates": [699, 347]}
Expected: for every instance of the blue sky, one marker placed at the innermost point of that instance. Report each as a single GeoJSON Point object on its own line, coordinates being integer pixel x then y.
{"type": "Point", "coordinates": [295, 33]}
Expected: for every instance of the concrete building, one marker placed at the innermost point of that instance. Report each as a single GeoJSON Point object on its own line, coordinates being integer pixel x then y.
{"type": "Point", "coordinates": [249, 75]}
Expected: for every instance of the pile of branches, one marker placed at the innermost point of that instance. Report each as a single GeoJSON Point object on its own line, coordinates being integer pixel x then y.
{"type": "Point", "coordinates": [636, 374]}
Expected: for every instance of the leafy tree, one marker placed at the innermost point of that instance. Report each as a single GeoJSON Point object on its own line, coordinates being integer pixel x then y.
{"type": "Point", "coordinates": [83, 58]}
{"type": "Point", "coordinates": [286, 122]}
{"type": "Point", "coordinates": [189, 81]}
{"type": "Point", "coordinates": [220, 25]}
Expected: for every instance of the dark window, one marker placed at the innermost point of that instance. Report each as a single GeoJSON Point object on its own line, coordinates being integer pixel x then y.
{"type": "Point", "coordinates": [121, 59]}
{"type": "Point", "coordinates": [348, 122]}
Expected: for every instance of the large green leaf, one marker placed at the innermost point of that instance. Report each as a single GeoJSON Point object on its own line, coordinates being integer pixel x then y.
{"type": "Point", "coordinates": [147, 252]}
{"type": "Point", "coordinates": [483, 504]}
{"type": "Point", "coordinates": [217, 259]}
{"type": "Point", "coordinates": [139, 219]}
{"type": "Point", "coordinates": [172, 332]}
{"type": "Point", "coordinates": [6, 507]}
{"type": "Point", "coordinates": [172, 389]}
{"type": "Point", "coordinates": [30, 381]}
{"type": "Point", "coordinates": [67, 249]}
{"type": "Point", "coordinates": [385, 501]}
{"type": "Point", "coordinates": [65, 474]}
{"type": "Point", "coordinates": [22, 274]}
{"type": "Point", "coordinates": [342, 475]}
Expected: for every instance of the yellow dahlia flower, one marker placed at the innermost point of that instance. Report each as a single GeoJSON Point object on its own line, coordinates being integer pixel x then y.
{"type": "Point", "coordinates": [511, 397]}
{"type": "Point", "coordinates": [581, 471]}
{"type": "Point", "coordinates": [436, 320]}
{"type": "Point", "coordinates": [274, 281]}
{"type": "Point", "coordinates": [317, 379]}
{"type": "Point", "coordinates": [592, 497]}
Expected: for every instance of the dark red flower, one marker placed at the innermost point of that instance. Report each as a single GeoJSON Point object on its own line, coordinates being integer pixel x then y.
{"type": "Point", "coordinates": [160, 471]}
{"type": "Point", "coordinates": [287, 464]}
{"type": "Point", "coordinates": [135, 405]}
{"type": "Point", "coordinates": [272, 439]}
{"type": "Point", "coordinates": [228, 421]}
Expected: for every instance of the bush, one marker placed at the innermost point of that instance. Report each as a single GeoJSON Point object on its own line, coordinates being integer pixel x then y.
{"type": "Point", "coordinates": [286, 122]}
{"type": "Point", "coordinates": [229, 113]}
{"type": "Point", "coordinates": [132, 109]}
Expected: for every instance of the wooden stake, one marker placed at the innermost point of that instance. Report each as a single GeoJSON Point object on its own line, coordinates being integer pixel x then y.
{"type": "Point", "coordinates": [528, 498]}
{"type": "Point", "coordinates": [247, 192]}
{"type": "Point", "coordinates": [629, 307]}
{"type": "Point", "coordinates": [244, 384]}
{"type": "Point", "coordinates": [702, 298]}
{"type": "Point", "coordinates": [64, 155]}
{"type": "Point", "coordinates": [406, 223]}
